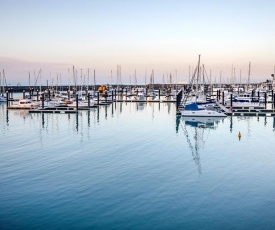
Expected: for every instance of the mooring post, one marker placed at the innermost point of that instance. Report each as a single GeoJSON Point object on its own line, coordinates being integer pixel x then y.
{"type": "Point", "coordinates": [274, 100]}
{"type": "Point", "coordinates": [89, 103]}
{"type": "Point", "coordinates": [265, 99]}
{"type": "Point", "coordinates": [42, 98]}
{"type": "Point", "coordinates": [259, 96]}
{"type": "Point", "coordinates": [76, 97]}
{"type": "Point", "coordinates": [97, 97]}
{"type": "Point", "coordinates": [223, 97]}
{"type": "Point", "coordinates": [112, 95]}
{"type": "Point", "coordinates": [7, 98]}
{"type": "Point", "coordinates": [115, 95]}
{"type": "Point", "coordinates": [231, 100]}
{"type": "Point", "coordinates": [24, 94]}
{"type": "Point", "coordinates": [69, 96]}
{"type": "Point", "coordinates": [126, 89]}
{"type": "Point", "coordinates": [37, 95]}
{"type": "Point", "coordinates": [159, 94]}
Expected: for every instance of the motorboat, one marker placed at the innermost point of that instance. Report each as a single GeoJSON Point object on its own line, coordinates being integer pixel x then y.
{"type": "Point", "coordinates": [25, 104]}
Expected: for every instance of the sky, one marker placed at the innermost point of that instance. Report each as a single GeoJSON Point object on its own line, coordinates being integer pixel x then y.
{"type": "Point", "coordinates": [143, 37]}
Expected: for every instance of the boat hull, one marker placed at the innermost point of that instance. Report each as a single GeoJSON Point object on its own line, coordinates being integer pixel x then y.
{"type": "Point", "coordinates": [201, 113]}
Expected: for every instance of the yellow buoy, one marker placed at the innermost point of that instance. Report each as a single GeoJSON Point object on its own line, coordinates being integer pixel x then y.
{"type": "Point", "coordinates": [239, 135]}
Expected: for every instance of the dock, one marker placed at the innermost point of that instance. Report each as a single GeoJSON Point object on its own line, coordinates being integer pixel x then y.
{"type": "Point", "coordinates": [60, 110]}
{"type": "Point", "coordinates": [247, 110]}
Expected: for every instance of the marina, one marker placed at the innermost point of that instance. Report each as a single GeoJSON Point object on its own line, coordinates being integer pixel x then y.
{"type": "Point", "coordinates": [176, 171]}
{"type": "Point", "coordinates": [137, 115]}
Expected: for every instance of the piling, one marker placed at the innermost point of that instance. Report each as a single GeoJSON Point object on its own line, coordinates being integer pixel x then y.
{"type": "Point", "coordinates": [76, 97]}
{"type": "Point", "coordinates": [231, 100]}
{"type": "Point", "coordinates": [159, 94]}
{"type": "Point", "coordinates": [97, 97]}
{"type": "Point", "coordinates": [7, 98]}
{"type": "Point", "coordinates": [37, 95]}
{"type": "Point", "coordinates": [223, 97]}
{"type": "Point", "coordinates": [89, 100]}
{"type": "Point", "coordinates": [24, 94]}
{"type": "Point", "coordinates": [43, 99]}
{"type": "Point", "coordinates": [112, 95]}
{"type": "Point", "coordinates": [265, 99]}
{"type": "Point", "coordinates": [178, 99]}
{"type": "Point", "coordinates": [30, 93]}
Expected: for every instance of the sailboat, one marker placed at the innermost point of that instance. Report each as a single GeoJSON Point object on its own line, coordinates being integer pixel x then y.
{"type": "Point", "coordinates": [2, 89]}
{"type": "Point", "coordinates": [192, 109]}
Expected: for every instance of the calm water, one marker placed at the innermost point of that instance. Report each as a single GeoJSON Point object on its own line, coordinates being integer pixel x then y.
{"type": "Point", "coordinates": [135, 166]}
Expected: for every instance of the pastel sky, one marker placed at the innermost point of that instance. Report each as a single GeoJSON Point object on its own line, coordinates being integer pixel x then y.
{"type": "Point", "coordinates": [144, 35]}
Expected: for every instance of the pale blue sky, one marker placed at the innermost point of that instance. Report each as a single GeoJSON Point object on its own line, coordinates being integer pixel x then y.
{"type": "Point", "coordinates": [162, 35]}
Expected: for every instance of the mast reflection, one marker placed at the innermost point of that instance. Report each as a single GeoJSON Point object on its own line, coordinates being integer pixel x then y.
{"type": "Point", "coordinates": [194, 129]}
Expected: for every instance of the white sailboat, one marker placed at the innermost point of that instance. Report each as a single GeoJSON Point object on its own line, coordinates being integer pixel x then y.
{"type": "Point", "coordinates": [192, 109]}
{"type": "Point", "coordinates": [2, 89]}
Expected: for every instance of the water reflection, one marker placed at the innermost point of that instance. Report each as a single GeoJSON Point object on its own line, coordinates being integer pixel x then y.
{"type": "Point", "coordinates": [140, 105]}
{"type": "Point", "coordinates": [195, 129]}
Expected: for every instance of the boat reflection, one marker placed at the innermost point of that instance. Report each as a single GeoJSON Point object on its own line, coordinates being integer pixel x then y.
{"type": "Point", "coordinates": [140, 105]}
{"type": "Point", "coordinates": [202, 122]}
{"type": "Point", "coordinates": [195, 129]}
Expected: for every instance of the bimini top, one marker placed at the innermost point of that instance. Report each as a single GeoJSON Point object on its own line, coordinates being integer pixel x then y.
{"type": "Point", "coordinates": [192, 106]}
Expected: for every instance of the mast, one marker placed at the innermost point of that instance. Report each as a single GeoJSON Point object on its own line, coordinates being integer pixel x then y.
{"type": "Point", "coordinates": [111, 77]}
{"type": "Point", "coordinates": [248, 80]}
{"type": "Point", "coordinates": [29, 80]}
{"type": "Point", "coordinates": [220, 79]}
{"type": "Point", "coordinates": [88, 79]}
{"type": "Point", "coordinates": [198, 74]}
{"type": "Point", "coordinates": [94, 80]}
{"type": "Point", "coordinates": [69, 80]}
{"type": "Point", "coordinates": [81, 82]}
{"type": "Point", "coordinates": [40, 80]}
{"type": "Point", "coordinates": [74, 78]}
{"type": "Point", "coordinates": [189, 75]}
{"type": "Point", "coordinates": [240, 76]}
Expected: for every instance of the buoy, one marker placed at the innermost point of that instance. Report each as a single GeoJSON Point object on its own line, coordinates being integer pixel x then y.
{"type": "Point", "coordinates": [239, 135]}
